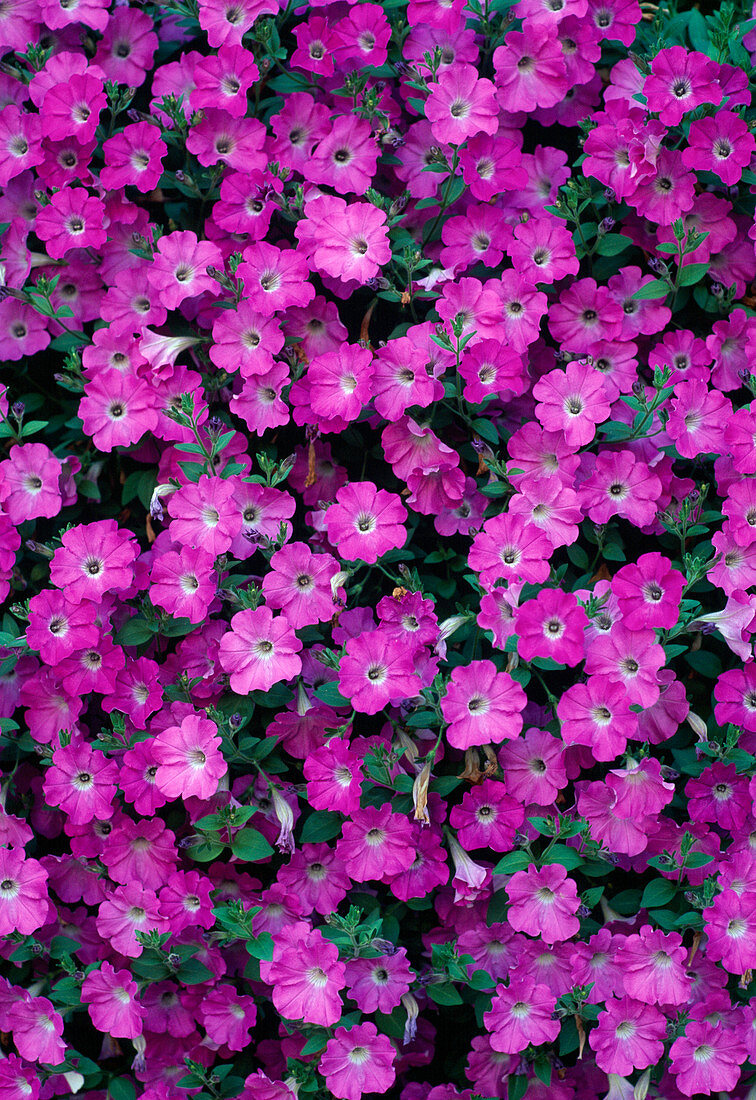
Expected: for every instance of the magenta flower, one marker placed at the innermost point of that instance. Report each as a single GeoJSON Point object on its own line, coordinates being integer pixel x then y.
{"type": "Point", "coordinates": [521, 1013]}
{"type": "Point", "coordinates": [134, 157]}
{"type": "Point", "coordinates": [94, 558]}
{"type": "Point", "coordinates": [552, 625]}
{"type": "Point", "coordinates": [29, 482]}
{"type": "Point", "coordinates": [620, 485]}
{"type": "Point", "coordinates": [340, 383]}
{"type": "Point", "coordinates": [347, 242]}
{"type": "Point", "coordinates": [378, 984]}
{"type": "Point", "coordinates": [375, 844]}
{"type": "Point", "coordinates": [487, 818]}
{"type": "Point", "coordinates": [37, 1030]}
{"type": "Point", "coordinates": [365, 522]}
{"type": "Point", "coordinates": [228, 1016]}
{"type": "Point", "coordinates": [375, 671]}
{"type": "Point", "coordinates": [23, 893]}
{"type": "Point", "coordinates": [572, 401]}
{"type": "Point", "coordinates": [512, 549]}
{"type": "Point", "coordinates": [306, 976]}
{"type": "Point", "coordinates": [680, 81]}
{"type": "Point", "coordinates": [730, 927]}
{"type": "Point", "coordinates": [179, 267]}
{"type": "Point", "coordinates": [259, 650]}
{"type": "Point", "coordinates": [72, 219]}
{"type": "Point", "coordinates": [184, 583]}
{"type": "Point", "coordinates": [203, 515]}
{"type": "Point", "coordinates": [334, 777]}
{"type": "Point", "coordinates": [57, 626]}
{"type": "Point", "coordinates": [631, 658]}
{"type": "Point", "coordinates": [630, 1035]}
{"type": "Point", "coordinates": [111, 999]}
{"type": "Point", "coordinates": [461, 105]}
{"type": "Point", "coordinates": [482, 705]}
{"type": "Point", "coordinates": [707, 1058]}
{"type": "Point", "coordinates": [117, 409]}
{"type": "Point", "coordinates": [530, 69]}
{"type": "Point", "coordinates": [357, 1061]}
{"type": "Point", "coordinates": [127, 910]}
{"type": "Point", "coordinates": [82, 783]}
{"type": "Point", "coordinates": [653, 967]}
{"type": "Point", "coordinates": [189, 759]}
{"type": "Point", "coordinates": [543, 903]}
{"type": "Point", "coordinates": [534, 766]}
{"type": "Point", "coordinates": [648, 592]}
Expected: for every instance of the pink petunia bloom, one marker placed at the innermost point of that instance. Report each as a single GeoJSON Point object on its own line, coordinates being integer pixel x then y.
{"type": "Point", "coordinates": [299, 584]}
{"type": "Point", "coordinates": [29, 482]}
{"type": "Point", "coordinates": [521, 1013]}
{"type": "Point", "coordinates": [631, 658]}
{"type": "Point", "coordinates": [680, 80]}
{"type": "Point", "coordinates": [57, 626]}
{"type": "Point", "coordinates": [653, 965]}
{"type": "Point", "coordinates": [111, 999]}
{"type": "Point", "coordinates": [543, 903]}
{"type": "Point", "coordinates": [648, 592]}
{"type": "Point", "coordinates": [228, 1016]}
{"type": "Point", "coordinates": [551, 626]}
{"type": "Point", "coordinates": [203, 515]}
{"type": "Point", "coordinates": [184, 583]}
{"type": "Point", "coordinates": [23, 893]}
{"type": "Point", "coordinates": [72, 219]}
{"type": "Point", "coordinates": [245, 340]}
{"type": "Point", "coordinates": [134, 156]}
{"type": "Point", "coordinates": [620, 484]}
{"type": "Point", "coordinates": [189, 759]}
{"type": "Point", "coordinates": [378, 984]}
{"type": "Point", "coordinates": [530, 69]}
{"type": "Point", "coordinates": [37, 1030]}
{"type": "Point", "coordinates": [346, 241]}
{"type": "Point", "coordinates": [487, 818]}
{"type": "Point", "coordinates": [512, 549]}
{"type": "Point", "coordinates": [179, 267]}
{"type": "Point", "coordinates": [572, 401]}
{"type": "Point", "coordinates": [81, 783]}
{"type": "Point", "coordinates": [719, 795]}
{"type": "Point", "coordinates": [375, 844]}
{"type": "Point", "coordinates": [126, 911]}
{"type": "Point", "coordinates": [365, 522]}
{"type": "Point", "coordinates": [707, 1058]}
{"type": "Point", "coordinates": [482, 705]}
{"type": "Point", "coordinates": [534, 766]}
{"type": "Point", "coordinates": [94, 558]}
{"type": "Point", "coordinates": [306, 976]}
{"type": "Point", "coordinates": [259, 650]}
{"type": "Point", "coordinates": [186, 901]}
{"type": "Point", "coordinates": [117, 409]}
{"type": "Point", "coordinates": [461, 105]}
{"type": "Point", "coordinates": [722, 144]}
{"type": "Point", "coordinates": [357, 1061]}
{"type": "Point", "coordinates": [334, 777]}
{"type": "Point", "coordinates": [630, 1035]}
{"type": "Point", "coordinates": [274, 278]}
{"type": "Point", "coordinates": [730, 926]}
{"type": "Point", "coordinates": [375, 671]}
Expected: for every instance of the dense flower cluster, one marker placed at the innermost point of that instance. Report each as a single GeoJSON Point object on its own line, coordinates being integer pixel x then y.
{"type": "Point", "coordinates": [377, 549]}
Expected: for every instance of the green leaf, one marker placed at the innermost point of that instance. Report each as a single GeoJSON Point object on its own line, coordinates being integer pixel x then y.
{"type": "Point", "coordinates": [692, 273]}
{"type": "Point", "coordinates": [486, 430]}
{"type": "Point", "coordinates": [512, 862]}
{"type": "Point", "coordinates": [315, 1043]}
{"type": "Point", "coordinates": [250, 845]}
{"type": "Point", "coordinates": [206, 851]}
{"type": "Point", "coordinates": [136, 631]}
{"type": "Point", "coordinates": [611, 244]}
{"type": "Point", "coordinates": [658, 893]}
{"type": "Point", "coordinates": [320, 826]}
{"type": "Point", "coordinates": [542, 1067]}
{"type": "Point", "coordinates": [694, 860]}
{"type": "Point", "coordinates": [177, 628]}
{"type": "Point", "coordinates": [193, 972]}
{"type": "Point", "coordinates": [657, 288]}
{"type": "Point", "coordinates": [494, 489]}
{"type": "Point", "coordinates": [261, 947]}
{"type": "Point", "coordinates": [329, 693]}
{"type": "Point", "coordinates": [564, 855]}
{"type": "Point", "coordinates": [706, 664]}
{"type": "Point", "coordinates": [517, 1086]}
{"type": "Point", "coordinates": [592, 897]}
{"type": "Point", "coordinates": [444, 994]}
{"type": "Point", "coordinates": [121, 1088]}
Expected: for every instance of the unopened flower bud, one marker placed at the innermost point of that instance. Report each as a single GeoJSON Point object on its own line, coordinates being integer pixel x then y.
{"type": "Point", "coordinates": [420, 794]}
{"type": "Point", "coordinates": [412, 1008]}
